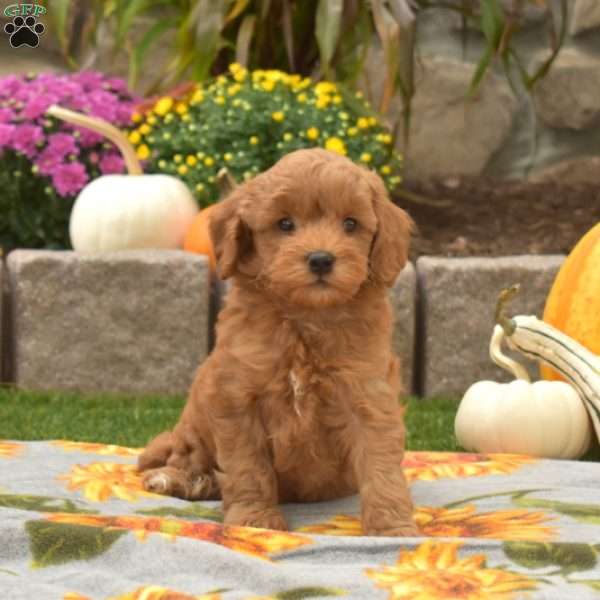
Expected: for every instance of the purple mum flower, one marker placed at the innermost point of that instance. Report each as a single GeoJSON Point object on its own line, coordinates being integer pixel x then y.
{"type": "Point", "coordinates": [69, 178]}
{"type": "Point", "coordinates": [36, 107]}
{"type": "Point", "coordinates": [6, 115]}
{"type": "Point", "coordinates": [62, 144]}
{"type": "Point", "coordinates": [26, 139]}
{"type": "Point", "coordinates": [6, 134]}
{"type": "Point", "coordinates": [47, 161]}
{"type": "Point", "coordinates": [111, 163]}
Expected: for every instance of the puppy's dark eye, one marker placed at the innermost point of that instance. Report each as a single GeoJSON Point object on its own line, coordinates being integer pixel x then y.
{"type": "Point", "coordinates": [286, 225]}
{"type": "Point", "coordinates": [350, 224]}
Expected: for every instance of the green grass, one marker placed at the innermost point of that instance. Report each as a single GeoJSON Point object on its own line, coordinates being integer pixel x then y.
{"type": "Point", "coordinates": [130, 421]}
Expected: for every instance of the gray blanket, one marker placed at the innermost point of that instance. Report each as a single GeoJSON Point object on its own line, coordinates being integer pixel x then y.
{"type": "Point", "coordinates": [75, 524]}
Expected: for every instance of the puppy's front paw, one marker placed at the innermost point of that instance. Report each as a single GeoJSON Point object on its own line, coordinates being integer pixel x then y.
{"type": "Point", "coordinates": [263, 518]}
{"type": "Point", "coordinates": [402, 529]}
{"type": "Point", "coordinates": [167, 481]}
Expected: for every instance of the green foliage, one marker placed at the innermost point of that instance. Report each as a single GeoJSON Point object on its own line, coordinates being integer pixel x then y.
{"type": "Point", "coordinates": [246, 121]}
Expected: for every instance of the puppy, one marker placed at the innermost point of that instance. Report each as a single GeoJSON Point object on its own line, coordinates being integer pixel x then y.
{"type": "Point", "coordinates": [299, 400]}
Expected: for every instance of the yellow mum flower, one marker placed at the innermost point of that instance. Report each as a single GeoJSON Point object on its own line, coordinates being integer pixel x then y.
{"type": "Point", "coordinates": [181, 108]}
{"type": "Point", "coordinates": [152, 120]}
{"type": "Point", "coordinates": [145, 129]}
{"type": "Point", "coordinates": [199, 187]}
{"type": "Point", "coordinates": [182, 169]}
{"type": "Point", "coordinates": [385, 138]}
{"type": "Point", "coordinates": [197, 97]}
{"type": "Point", "coordinates": [278, 116]}
{"type": "Point", "coordinates": [163, 106]}
{"type": "Point", "coordinates": [288, 136]}
{"type": "Point", "coordinates": [312, 133]}
{"type": "Point", "coordinates": [352, 131]}
{"type": "Point", "coordinates": [301, 97]}
{"type": "Point", "coordinates": [337, 99]}
{"type": "Point", "coordinates": [268, 85]}
{"type": "Point", "coordinates": [143, 152]}
{"type": "Point", "coordinates": [240, 75]}
{"type": "Point", "coordinates": [372, 121]}
{"type": "Point", "coordinates": [254, 140]}
{"type": "Point", "coordinates": [434, 571]}
{"type": "Point", "coordinates": [209, 162]}
{"type": "Point", "coordinates": [221, 80]}
{"type": "Point", "coordinates": [386, 169]}
{"type": "Point", "coordinates": [228, 156]}
{"type": "Point", "coordinates": [166, 135]}
{"type": "Point", "coordinates": [325, 87]}
{"type": "Point", "coordinates": [362, 123]}
{"type": "Point", "coordinates": [220, 100]}
{"type": "Point", "coordinates": [235, 67]}
{"type": "Point", "coordinates": [177, 158]}
{"type": "Point", "coordinates": [322, 102]}
{"type": "Point", "coordinates": [134, 137]}
{"type": "Point", "coordinates": [344, 116]}
{"type": "Point", "coordinates": [366, 157]}
{"type": "Point", "coordinates": [136, 117]}
{"type": "Point", "coordinates": [335, 145]}
{"type": "Point", "coordinates": [191, 160]}
{"type": "Point", "coordinates": [232, 90]}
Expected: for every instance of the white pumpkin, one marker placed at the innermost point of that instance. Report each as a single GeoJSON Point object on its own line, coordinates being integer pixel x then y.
{"type": "Point", "coordinates": [126, 212]}
{"type": "Point", "coordinates": [545, 418]}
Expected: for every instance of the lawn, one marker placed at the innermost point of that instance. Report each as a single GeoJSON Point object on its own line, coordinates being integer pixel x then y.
{"type": "Point", "coordinates": [129, 421]}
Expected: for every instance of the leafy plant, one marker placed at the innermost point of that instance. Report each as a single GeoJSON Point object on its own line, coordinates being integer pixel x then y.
{"type": "Point", "coordinates": [45, 163]}
{"type": "Point", "coordinates": [247, 120]}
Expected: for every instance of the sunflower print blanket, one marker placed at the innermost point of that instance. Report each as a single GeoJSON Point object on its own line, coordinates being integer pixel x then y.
{"type": "Point", "coordinates": [75, 524]}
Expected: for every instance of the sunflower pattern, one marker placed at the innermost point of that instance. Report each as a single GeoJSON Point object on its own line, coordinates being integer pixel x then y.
{"type": "Point", "coordinates": [491, 526]}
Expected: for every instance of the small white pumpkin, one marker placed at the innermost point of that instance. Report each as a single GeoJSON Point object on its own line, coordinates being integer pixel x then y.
{"type": "Point", "coordinates": [545, 418]}
{"type": "Point", "coordinates": [126, 212]}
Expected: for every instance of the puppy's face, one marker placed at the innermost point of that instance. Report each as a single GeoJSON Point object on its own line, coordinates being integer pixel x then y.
{"type": "Point", "coordinates": [309, 229]}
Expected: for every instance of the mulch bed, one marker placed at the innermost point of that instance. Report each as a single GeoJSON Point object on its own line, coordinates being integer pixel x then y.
{"type": "Point", "coordinates": [483, 217]}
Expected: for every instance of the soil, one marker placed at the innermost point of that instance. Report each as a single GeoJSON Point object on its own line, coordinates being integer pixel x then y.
{"type": "Point", "coordinates": [482, 217]}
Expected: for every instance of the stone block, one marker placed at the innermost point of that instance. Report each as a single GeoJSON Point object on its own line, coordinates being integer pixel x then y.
{"type": "Point", "coordinates": [451, 135]}
{"type": "Point", "coordinates": [458, 298]}
{"type": "Point", "coordinates": [583, 170]}
{"type": "Point", "coordinates": [131, 322]}
{"type": "Point", "coordinates": [568, 97]}
{"type": "Point", "coordinates": [403, 297]}
{"type": "Point", "coordinates": [586, 16]}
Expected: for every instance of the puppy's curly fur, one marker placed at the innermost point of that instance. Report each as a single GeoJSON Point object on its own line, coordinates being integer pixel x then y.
{"type": "Point", "coordinates": [299, 399]}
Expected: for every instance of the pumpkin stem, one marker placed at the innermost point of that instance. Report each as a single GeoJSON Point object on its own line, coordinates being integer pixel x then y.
{"type": "Point", "coordinates": [104, 128]}
{"type": "Point", "coordinates": [504, 297]}
{"type": "Point", "coordinates": [226, 182]}
{"type": "Point", "coordinates": [510, 365]}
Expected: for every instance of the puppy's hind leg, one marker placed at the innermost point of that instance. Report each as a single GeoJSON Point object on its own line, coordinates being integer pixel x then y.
{"type": "Point", "coordinates": [173, 468]}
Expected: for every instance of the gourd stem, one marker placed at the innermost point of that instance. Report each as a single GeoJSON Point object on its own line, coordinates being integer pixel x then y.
{"type": "Point", "coordinates": [103, 128]}
{"type": "Point", "coordinates": [504, 297]}
{"type": "Point", "coordinates": [510, 365]}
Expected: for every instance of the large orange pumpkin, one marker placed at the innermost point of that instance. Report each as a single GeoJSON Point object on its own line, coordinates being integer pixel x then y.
{"type": "Point", "coordinates": [573, 305]}
{"type": "Point", "coordinates": [197, 237]}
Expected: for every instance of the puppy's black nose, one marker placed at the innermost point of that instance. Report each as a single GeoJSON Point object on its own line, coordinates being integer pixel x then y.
{"type": "Point", "coordinates": [320, 262]}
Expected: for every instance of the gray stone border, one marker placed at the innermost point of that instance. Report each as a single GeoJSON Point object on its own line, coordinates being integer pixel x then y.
{"type": "Point", "coordinates": [443, 310]}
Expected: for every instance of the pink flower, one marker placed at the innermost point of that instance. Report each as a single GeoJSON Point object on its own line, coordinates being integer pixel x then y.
{"type": "Point", "coordinates": [88, 138]}
{"type": "Point", "coordinates": [48, 161]}
{"type": "Point", "coordinates": [35, 107]}
{"type": "Point", "coordinates": [26, 139]}
{"type": "Point", "coordinates": [6, 115]}
{"type": "Point", "coordinates": [6, 134]}
{"type": "Point", "coordinates": [111, 163]}
{"type": "Point", "coordinates": [69, 178]}
{"type": "Point", "coordinates": [62, 144]}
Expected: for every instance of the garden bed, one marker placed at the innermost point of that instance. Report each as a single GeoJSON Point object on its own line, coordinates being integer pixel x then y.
{"type": "Point", "coordinates": [484, 217]}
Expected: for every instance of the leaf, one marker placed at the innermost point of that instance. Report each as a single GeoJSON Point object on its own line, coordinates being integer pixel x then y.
{"type": "Point", "coordinates": [492, 22]}
{"type": "Point", "coordinates": [125, 18]}
{"type": "Point", "coordinates": [139, 54]}
{"type": "Point", "coordinates": [482, 66]}
{"type": "Point", "coordinates": [539, 555]}
{"type": "Point", "coordinates": [45, 504]}
{"type": "Point", "coordinates": [59, 543]}
{"type": "Point", "coordinates": [308, 592]}
{"type": "Point", "coordinates": [327, 30]}
{"type": "Point", "coordinates": [585, 513]}
{"type": "Point", "coordinates": [236, 10]}
{"type": "Point", "coordinates": [288, 34]}
{"type": "Point", "coordinates": [195, 511]}
{"type": "Point", "coordinates": [59, 15]}
{"type": "Point", "coordinates": [206, 21]}
{"type": "Point", "coordinates": [244, 37]}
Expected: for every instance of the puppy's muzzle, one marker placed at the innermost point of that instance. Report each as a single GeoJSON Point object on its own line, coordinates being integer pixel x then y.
{"type": "Point", "coordinates": [320, 262]}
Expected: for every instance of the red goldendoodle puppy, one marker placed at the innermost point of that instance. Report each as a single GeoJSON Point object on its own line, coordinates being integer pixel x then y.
{"type": "Point", "coordinates": [299, 399]}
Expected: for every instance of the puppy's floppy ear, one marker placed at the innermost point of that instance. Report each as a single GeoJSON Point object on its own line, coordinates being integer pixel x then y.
{"type": "Point", "coordinates": [389, 251]}
{"type": "Point", "coordinates": [230, 236]}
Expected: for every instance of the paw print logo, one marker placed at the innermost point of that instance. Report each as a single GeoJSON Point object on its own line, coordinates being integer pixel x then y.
{"type": "Point", "coordinates": [24, 32]}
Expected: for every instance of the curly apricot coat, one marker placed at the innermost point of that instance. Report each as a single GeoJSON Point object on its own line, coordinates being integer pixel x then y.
{"type": "Point", "coordinates": [299, 400]}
